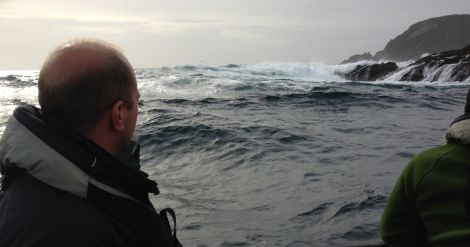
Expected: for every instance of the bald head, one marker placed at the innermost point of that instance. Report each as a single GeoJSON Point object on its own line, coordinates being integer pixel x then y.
{"type": "Point", "coordinates": [81, 80]}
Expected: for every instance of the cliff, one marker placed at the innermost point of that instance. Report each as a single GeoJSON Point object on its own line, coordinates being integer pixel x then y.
{"type": "Point", "coordinates": [429, 36]}
{"type": "Point", "coordinates": [426, 37]}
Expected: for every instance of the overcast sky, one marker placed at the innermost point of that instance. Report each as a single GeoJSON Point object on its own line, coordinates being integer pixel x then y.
{"type": "Point", "coordinates": [155, 33]}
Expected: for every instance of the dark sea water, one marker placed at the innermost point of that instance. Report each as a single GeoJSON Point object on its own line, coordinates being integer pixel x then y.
{"type": "Point", "coordinates": [275, 154]}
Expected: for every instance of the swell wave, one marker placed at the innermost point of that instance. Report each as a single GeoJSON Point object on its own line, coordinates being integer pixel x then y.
{"type": "Point", "coordinates": [27, 79]}
{"type": "Point", "coordinates": [371, 202]}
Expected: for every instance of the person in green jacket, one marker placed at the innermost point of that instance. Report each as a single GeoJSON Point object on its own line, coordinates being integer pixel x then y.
{"type": "Point", "coordinates": [430, 203]}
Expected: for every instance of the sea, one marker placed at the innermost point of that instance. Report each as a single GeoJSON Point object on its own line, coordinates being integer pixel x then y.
{"type": "Point", "coordinates": [275, 154]}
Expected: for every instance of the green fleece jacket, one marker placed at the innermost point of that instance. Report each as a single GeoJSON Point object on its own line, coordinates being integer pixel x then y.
{"type": "Point", "coordinates": [430, 202]}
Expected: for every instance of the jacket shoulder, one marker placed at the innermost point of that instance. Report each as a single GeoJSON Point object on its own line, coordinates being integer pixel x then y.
{"type": "Point", "coordinates": [35, 214]}
{"type": "Point", "coordinates": [424, 163]}
{"type": "Point", "coordinates": [433, 155]}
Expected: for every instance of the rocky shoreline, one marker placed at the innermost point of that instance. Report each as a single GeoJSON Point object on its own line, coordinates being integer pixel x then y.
{"type": "Point", "coordinates": [451, 65]}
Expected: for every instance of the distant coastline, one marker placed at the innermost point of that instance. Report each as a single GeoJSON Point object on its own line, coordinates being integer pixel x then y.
{"type": "Point", "coordinates": [425, 37]}
{"type": "Point", "coordinates": [437, 49]}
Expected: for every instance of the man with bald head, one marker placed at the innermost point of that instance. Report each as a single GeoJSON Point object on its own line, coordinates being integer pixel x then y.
{"type": "Point", "coordinates": [69, 176]}
{"type": "Point", "coordinates": [91, 86]}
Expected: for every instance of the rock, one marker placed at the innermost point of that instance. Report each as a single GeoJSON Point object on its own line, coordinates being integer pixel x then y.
{"type": "Point", "coordinates": [451, 65]}
{"type": "Point", "coordinates": [371, 72]}
{"type": "Point", "coordinates": [462, 71]}
{"type": "Point", "coordinates": [429, 36]}
{"type": "Point", "coordinates": [359, 57]}
{"type": "Point", "coordinates": [415, 74]}
{"type": "Point", "coordinates": [231, 66]}
{"type": "Point", "coordinates": [431, 67]}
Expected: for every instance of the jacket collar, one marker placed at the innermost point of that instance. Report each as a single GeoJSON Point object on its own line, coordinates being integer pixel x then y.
{"type": "Point", "coordinates": [65, 159]}
{"type": "Point", "coordinates": [459, 131]}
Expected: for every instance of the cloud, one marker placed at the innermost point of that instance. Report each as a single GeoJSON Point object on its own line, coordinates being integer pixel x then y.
{"type": "Point", "coordinates": [158, 32]}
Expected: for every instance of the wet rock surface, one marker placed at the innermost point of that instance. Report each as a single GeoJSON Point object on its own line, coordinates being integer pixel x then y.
{"type": "Point", "coordinates": [451, 65]}
{"type": "Point", "coordinates": [432, 67]}
{"type": "Point", "coordinates": [371, 72]}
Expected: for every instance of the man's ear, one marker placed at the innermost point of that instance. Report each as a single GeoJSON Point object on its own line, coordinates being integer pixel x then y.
{"type": "Point", "coordinates": [118, 116]}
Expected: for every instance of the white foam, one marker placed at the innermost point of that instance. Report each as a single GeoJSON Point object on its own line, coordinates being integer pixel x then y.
{"type": "Point", "coordinates": [396, 76]}
{"type": "Point", "coordinates": [165, 87]}
{"type": "Point", "coordinates": [446, 72]}
{"type": "Point", "coordinates": [26, 94]}
{"type": "Point", "coordinates": [4, 73]}
{"type": "Point", "coordinates": [306, 71]}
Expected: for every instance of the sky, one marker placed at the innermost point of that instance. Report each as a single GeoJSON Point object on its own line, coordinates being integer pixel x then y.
{"type": "Point", "coordinates": [158, 33]}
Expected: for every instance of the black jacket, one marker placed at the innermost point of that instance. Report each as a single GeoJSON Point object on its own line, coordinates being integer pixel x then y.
{"type": "Point", "coordinates": [61, 189]}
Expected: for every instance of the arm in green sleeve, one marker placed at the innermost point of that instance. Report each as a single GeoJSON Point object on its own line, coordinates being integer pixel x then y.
{"type": "Point", "coordinates": [401, 225]}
